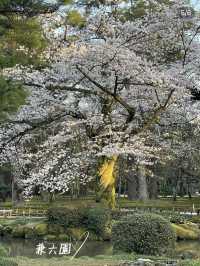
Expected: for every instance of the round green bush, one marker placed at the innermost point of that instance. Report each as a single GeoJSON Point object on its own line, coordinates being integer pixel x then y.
{"type": "Point", "coordinates": [63, 216]}
{"type": "Point", "coordinates": [49, 237]}
{"type": "Point", "coordinates": [174, 217]}
{"type": "Point", "coordinates": [18, 231]}
{"type": "Point", "coordinates": [1, 229]}
{"type": "Point", "coordinates": [63, 237]}
{"type": "Point", "coordinates": [97, 220]}
{"type": "Point", "coordinates": [55, 229]}
{"type": "Point", "coordinates": [41, 229]}
{"type": "Point", "coordinates": [7, 230]}
{"type": "Point", "coordinates": [29, 232]}
{"type": "Point", "coordinates": [148, 234]}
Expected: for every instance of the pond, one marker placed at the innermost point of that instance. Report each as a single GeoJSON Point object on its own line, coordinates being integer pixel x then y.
{"type": "Point", "coordinates": [27, 247]}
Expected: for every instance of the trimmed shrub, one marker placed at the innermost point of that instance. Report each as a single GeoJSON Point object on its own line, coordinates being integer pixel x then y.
{"type": "Point", "coordinates": [50, 238]}
{"type": "Point", "coordinates": [97, 220]}
{"type": "Point", "coordinates": [174, 217]}
{"type": "Point", "coordinates": [55, 229]}
{"type": "Point", "coordinates": [65, 217]}
{"type": "Point", "coordinates": [63, 237]}
{"type": "Point", "coordinates": [76, 233]}
{"type": "Point", "coordinates": [29, 231]}
{"type": "Point", "coordinates": [7, 230]}
{"type": "Point", "coordinates": [118, 214]}
{"type": "Point", "coordinates": [1, 229]}
{"type": "Point", "coordinates": [18, 231]}
{"type": "Point", "coordinates": [148, 234]}
{"type": "Point", "coordinates": [41, 229]}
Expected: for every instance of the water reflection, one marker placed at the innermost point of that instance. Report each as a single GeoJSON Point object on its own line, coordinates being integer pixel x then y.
{"type": "Point", "coordinates": [27, 247]}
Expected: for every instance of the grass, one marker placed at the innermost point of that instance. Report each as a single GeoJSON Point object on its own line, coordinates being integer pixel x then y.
{"type": "Point", "coordinates": [186, 232]}
{"type": "Point", "coordinates": [181, 204]}
{"type": "Point", "coordinates": [184, 204]}
{"type": "Point", "coordinates": [65, 261]}
{"type": "Point", "coordinates": [96, 261]}
{"type": "Point", "coordinates": [21, 221]}
{"type": "Point", "coordinates": [100, 260]}
{"type": "Point", "coordinates": [190, 263]}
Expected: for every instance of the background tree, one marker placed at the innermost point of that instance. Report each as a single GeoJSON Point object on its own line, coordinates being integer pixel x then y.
{"type": "Point", "coordinates": [21, 42]}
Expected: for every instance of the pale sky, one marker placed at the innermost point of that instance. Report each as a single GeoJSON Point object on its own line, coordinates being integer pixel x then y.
{"type": "Point", "coordinates": [196, 3]}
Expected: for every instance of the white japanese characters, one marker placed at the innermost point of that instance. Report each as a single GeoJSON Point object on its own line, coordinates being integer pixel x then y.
{"type": "Point", "coordinates": [53, 249]}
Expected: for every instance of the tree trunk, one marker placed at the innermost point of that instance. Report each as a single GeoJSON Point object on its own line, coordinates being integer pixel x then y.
{"type": "Point", "coordinates": [174, 193]}
{"type": "Point", "coordinates": [189, 192]}
{"type": "Point", "coordinates": [14, 192]}
{"type": "Point", "coordinates": [142, 184]}
{"type": "Point", "coordinates": [181, 189]}
{"type": "Point", "coordinates": [132, 188]}
{"type": "Point", "coordinates": [120, 187]}
{"type": "Point", "coordinates": [108, 179]}
{"type": "Point", "coordinates": [153, 188]}
{"type": "Point", "coordinates": [125, 188]}
{"type": "Point", "coordinates": [51, 197]}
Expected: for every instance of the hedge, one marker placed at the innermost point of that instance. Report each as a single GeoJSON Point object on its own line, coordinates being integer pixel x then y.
{"type": "Point", "coordinates": [64, 216]}
{"type": "Point", "coordinates": [96, 220]}
{"type": "Point", "coordinates": [148, 234]}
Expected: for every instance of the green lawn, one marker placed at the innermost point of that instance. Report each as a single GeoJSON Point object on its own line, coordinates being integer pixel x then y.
{"type": "Point", "coordinates": [65, 262]}
{"type": "Point", "coordinates": [100, 260]}
{"type": "Point", "coordinates": [115, 260]}
{"type": "Point", "coordinates": [191, 263]}
{"type": "Point", "coordinates": [35, 204]}
{"type": "Point", "coordinates": [21, 221]}
{"type": "Point", "coordinates": [185, 204]}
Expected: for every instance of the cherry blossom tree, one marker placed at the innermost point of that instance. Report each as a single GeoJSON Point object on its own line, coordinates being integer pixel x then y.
{"type": "Point", "coordinates": [114, 84]}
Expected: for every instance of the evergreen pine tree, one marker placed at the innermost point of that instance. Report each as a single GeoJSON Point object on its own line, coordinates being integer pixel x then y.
{"type": "Point", "coordinates": [21, 42]}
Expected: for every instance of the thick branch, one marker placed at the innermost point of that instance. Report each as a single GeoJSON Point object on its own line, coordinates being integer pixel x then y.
{"type": "Point", "coordinates": [148, 122]}
{"type": "Point", "coordinates": [73, 88]}
{"type": "Point", "coordinates": [117, 98]}
{"type": "Point", "coordinates": [36, 125]}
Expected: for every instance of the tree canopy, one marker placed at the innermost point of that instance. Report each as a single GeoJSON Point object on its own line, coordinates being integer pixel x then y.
{"type": "Point", "coordinates": [113, 88]}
